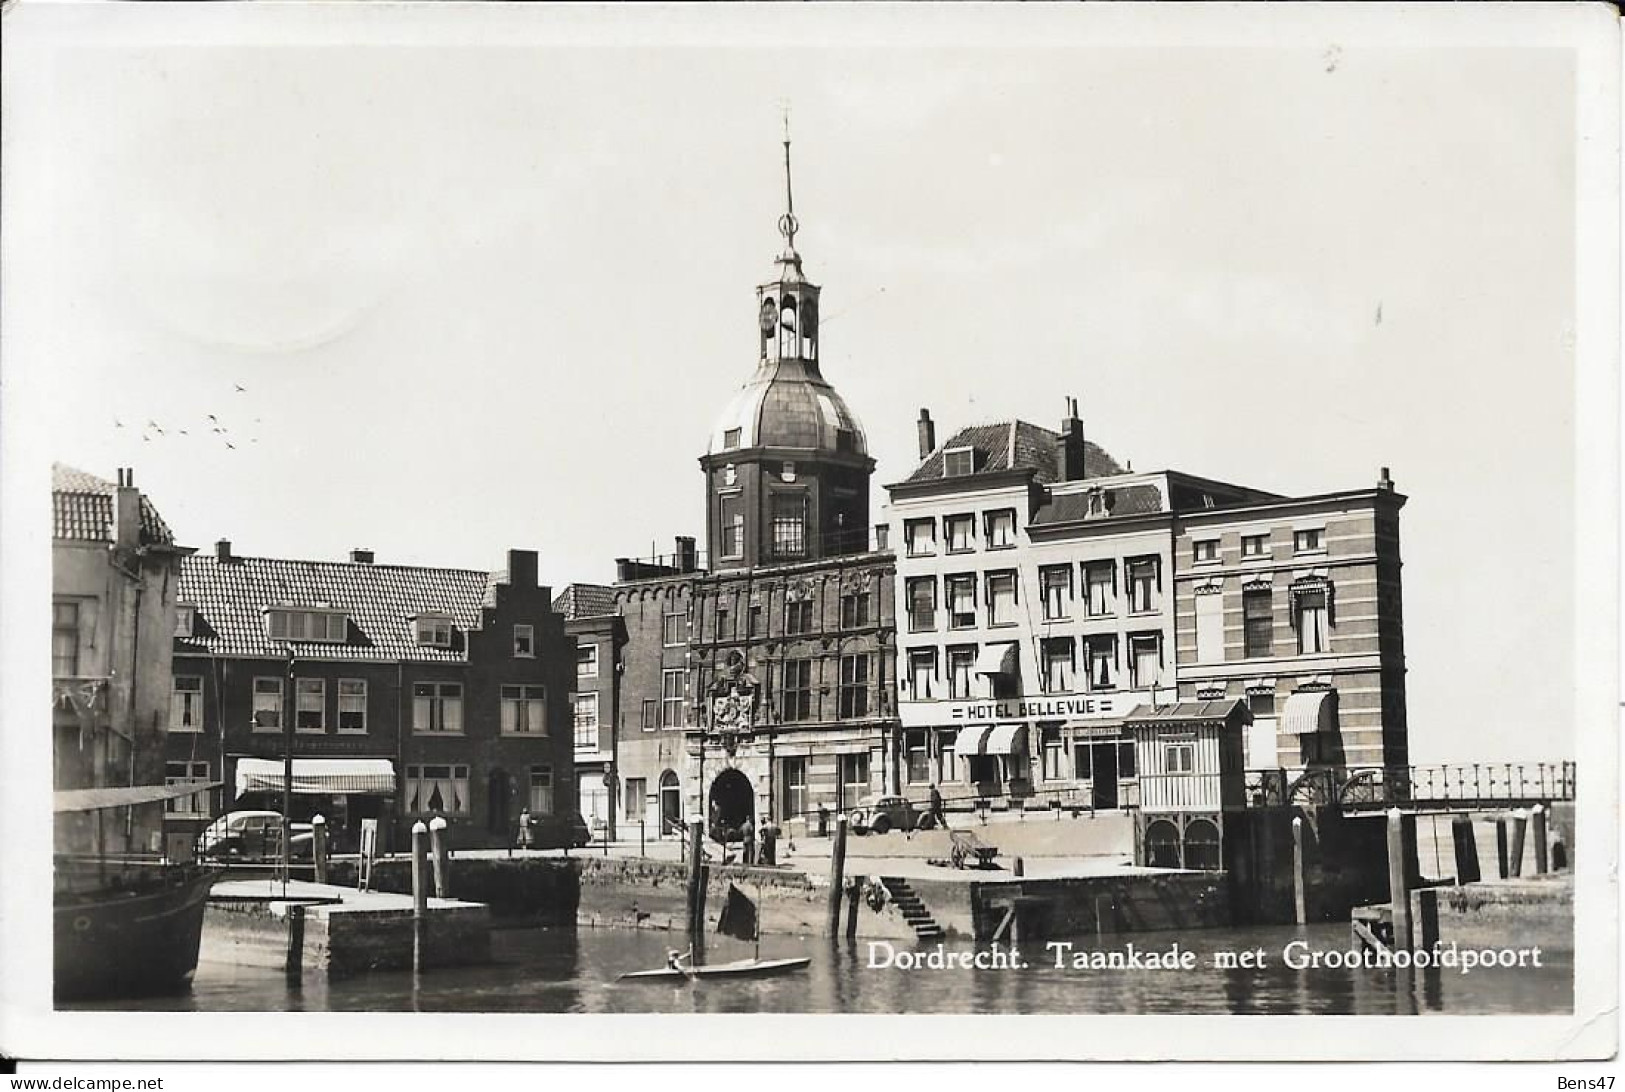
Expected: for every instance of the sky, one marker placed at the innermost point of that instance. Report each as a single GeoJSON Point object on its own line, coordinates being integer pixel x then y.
{"type": "Point", "coordinates": [444, 301]}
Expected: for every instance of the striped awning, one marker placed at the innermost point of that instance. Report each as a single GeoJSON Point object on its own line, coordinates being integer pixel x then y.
{"type": "Point", "coordinates": [1310, 711]}
{"type": "Point", "coordinates": [319, 776]}
{"type": "Point", "coordinates": [998, 658]}
{"type": "Point", "coordinates": [68, 800]}
{"type": "Point", "coordinates": [1001, 739]}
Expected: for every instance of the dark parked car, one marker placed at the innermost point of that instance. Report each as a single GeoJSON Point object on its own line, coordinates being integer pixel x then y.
{"type": "Point", "coordinates": [559, 831]}
{"type": "Point", "coordinates": [253, 836]}
{"type": "Point", "coordinates": [882, 813]}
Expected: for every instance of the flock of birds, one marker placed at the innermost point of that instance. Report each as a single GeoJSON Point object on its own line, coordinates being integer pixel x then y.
{"type": "Point", "coordinates": [213, 428]}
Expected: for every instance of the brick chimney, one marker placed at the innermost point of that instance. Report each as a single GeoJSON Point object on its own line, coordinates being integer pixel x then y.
{"type": "Point", "coordinates": [928, 434]}
{"type": "Point", "coordinates": [1069, 445]}
{"type": "Point", "coordinates": [522, 568]}
{"type": "Point", "coordinates": [360, 556]}
{"type": "Point", "coordinates": [688, 558]}
{"type": "Point", "coordinates": [1385, 482]}
{"type": "Point", "coordinates": [127, 510]}
{"type": "Point", "coordinates": [222, 550]}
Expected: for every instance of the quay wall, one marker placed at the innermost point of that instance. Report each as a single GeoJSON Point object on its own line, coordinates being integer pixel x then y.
{"type": "Point", "coordinates": [517, 890]}
{"type": "Point", "coordinates": [342, 942]}
{"type": "Point", "coordinates": [1087, 905]}
{"type": "Point", "coordinates": [1522, 913]}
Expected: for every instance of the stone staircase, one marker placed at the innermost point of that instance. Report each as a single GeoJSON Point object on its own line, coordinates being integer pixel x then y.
{"type": "Point", "coordinates": [913, 910]}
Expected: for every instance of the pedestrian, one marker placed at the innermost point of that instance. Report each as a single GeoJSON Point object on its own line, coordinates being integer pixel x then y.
{"type": "Point", "coordinates": [937, 818]}
{"type": "Point", "coordinates": [823, 820]}
{"type": "Point", "coordinates": [524, 829]}
{"type": "Point", "coordinates": [747, 838]}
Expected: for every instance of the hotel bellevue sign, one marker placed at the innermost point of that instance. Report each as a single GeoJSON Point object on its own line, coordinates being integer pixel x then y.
{"type": "Point", "coordinates": [1046, 707]}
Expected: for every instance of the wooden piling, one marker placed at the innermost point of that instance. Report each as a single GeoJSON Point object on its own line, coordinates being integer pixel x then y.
{"type": "Point", "coordinates": [294, 968]}
{"type": "Point", "coordinates": [318, 846]}
{"type": "Point", "coordinates": [439, 857]}
{"type": "Point", "coordinates": [1461, 834]}
{"type": "Point", "coordinates": [1399, 894]}
{"type": "Point", "coordinates": [1018, 867]}
{"type": "Point", "coordinates": [1300, 909]}
{"type": "Point", "coordinates": [1520, 825]}
{"type": "Point", "coordinates": [837, 874]}
{"type": "Point", "coordinates": [1537, 834]}
{"type": "Point", "coordinates": [696, 887]}
{"type": "Point", "coordinates": [420, 891]}
{"type": "Point", "coordinates": [854, 897]}
{"type": "Point", "coordinates": [1501, 846]}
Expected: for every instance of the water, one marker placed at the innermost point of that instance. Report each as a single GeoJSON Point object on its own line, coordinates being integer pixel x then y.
{"type": "Point", "coordinates": [561, 970]}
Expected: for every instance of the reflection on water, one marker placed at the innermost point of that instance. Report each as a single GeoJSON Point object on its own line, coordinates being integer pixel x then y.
{"type": "Point", "coordinates": [560, 970]}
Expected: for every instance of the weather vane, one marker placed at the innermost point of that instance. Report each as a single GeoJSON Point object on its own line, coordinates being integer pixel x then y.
{"type": "Point", "coordinates": [788, 223]}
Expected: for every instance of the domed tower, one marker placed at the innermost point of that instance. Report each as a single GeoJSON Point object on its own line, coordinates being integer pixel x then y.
{"type": "Point", "coordinates": [787, 468]}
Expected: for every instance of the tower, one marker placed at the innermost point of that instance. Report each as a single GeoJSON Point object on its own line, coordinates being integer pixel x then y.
{"type": "Point", "coordinates": [787, 466]}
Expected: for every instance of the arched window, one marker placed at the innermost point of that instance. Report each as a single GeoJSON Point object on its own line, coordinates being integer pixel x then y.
{"type": "Point", "coordinates": [1202, 844]}
{"type": "Point", "coordinates": [1162, 844]}
{"type": "Point", "coordinates": [788, 335]}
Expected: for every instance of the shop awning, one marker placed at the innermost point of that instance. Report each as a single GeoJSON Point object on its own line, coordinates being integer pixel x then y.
{"type": "Point", "coordinates": [1001, 739]}
{"type": "Point", "coordinates": [319, 776]}
{"type": "Point", "coordinates": [1189, 714]}
{"type": "Point", "coordinates": [997, 659]}
{"type": "Point", "coordinates": [70, 800]}
{"type": "Point", "coordinates": [1310, 711]}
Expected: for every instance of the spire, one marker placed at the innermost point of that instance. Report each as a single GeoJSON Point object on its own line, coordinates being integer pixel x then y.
{"type": "Point", "coordinates": [788, 224]}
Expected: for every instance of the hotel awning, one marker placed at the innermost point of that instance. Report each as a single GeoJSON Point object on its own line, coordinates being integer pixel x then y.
{"type": "Point", "coordinates": [997, 659]}
{"type": "Point", "coordinates": [1310, 711]}
{"type": "Point", "coordinates": [319, 776]}
{"type": "Point", "coordinates": [1001, 739]}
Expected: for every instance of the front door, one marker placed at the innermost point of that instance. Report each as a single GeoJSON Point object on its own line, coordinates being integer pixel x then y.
{"type": "Point", "coordinates": [1104, 782]}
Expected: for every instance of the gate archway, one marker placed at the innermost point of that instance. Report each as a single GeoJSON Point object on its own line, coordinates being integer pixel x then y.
{"type": "Point", "coordinates": [733, 801]}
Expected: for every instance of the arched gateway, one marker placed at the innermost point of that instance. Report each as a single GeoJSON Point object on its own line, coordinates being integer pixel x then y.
{"type": "Point", "coordinates": [733, 801]}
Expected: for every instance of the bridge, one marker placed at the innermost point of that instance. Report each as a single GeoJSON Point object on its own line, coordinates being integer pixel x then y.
{"type": "Point", "coordinates": [1450, 788]}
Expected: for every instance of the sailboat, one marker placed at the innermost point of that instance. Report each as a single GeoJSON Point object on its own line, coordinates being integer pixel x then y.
{"type": "Point", "coordinates": [739, 919]}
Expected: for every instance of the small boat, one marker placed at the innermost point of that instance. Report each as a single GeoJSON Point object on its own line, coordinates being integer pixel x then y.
{"type": "Point", "coordinates": [739, 968]}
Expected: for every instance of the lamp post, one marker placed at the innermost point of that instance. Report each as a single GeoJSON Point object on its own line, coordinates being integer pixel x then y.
{"type": "Point", "coordinates": [288, 715]}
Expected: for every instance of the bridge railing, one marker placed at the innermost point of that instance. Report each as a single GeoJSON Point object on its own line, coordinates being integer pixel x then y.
{"type": "Point", "coordinates": [1461, 782]}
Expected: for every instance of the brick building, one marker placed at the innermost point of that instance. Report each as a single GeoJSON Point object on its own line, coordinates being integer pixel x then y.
{"type": "Point", "coordinates": [598, 635]}
{"type": "Point", "coordinates": [403, 692]}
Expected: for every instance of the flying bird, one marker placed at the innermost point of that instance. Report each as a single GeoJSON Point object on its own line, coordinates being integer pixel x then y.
{"type": "Point", "coordinates": [240, 388]}
{"type": "Point", "coordinates": [231, 445]}
{"type": "Point", "coordinates": [213, 418]}
{"type": "Point", "coordinates": [117, 423]}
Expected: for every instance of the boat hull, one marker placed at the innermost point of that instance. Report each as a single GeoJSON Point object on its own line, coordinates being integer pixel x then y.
{"type": "Point", "coordinates": [134, 938]}
{"type": "Point", "coordinates": [743, 968]}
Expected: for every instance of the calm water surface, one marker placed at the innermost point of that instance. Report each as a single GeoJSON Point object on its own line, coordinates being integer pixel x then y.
{"type": "Point", "coordinates": [561, 970]}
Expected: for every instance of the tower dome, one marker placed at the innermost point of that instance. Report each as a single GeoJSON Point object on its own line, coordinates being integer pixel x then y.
{"type": "Point", "coordinates": [787, 404]}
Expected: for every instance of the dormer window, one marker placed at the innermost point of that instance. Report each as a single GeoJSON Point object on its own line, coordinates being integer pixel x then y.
{"type": "Point", "coordinates": [844, 440]}
{"type": "Point", "coordinates": [185, 616]}
{"type": "Point", "coordinates": [730, 439]}
{"type": "Point", "coordinates": [957, 462]}
{"type": "Point", "coordinates": [433, 630]}
{"type": "Point", "coordinates": [307, 624]}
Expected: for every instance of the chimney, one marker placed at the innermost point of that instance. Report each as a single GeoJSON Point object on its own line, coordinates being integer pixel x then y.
{"type": "Point", "coordinates": [360, 556]}
{"type": "Point", "coordinates": [522, 568]}
{"type": "Point", "coordinates": [1069, 445]}
{"type": "Point", "coordinates": [1385, 482]}
{"type": "Point", "coordinates": [687, 557]}
{"type": "Point", "coordinates": [127, 510]}
{"type": "Point", "coordinates": [222, 550]}
{"type": "Point", "coordinates": [928, 435]}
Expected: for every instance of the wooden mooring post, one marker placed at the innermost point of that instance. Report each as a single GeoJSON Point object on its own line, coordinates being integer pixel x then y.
{"type": "Point", "coordinates": [438, 854]}
{"type": "Point", "coordinates": [294, 968]}
{"type": "Point", "coordinates": [420, 891]}
{"type": "Point", "coordinates": [1461, 834]}
{"type": "Point", "coordinates": [1537, 834]}
{"type": "Point", "coordinates": [1398, 889]}
{"type": "Point", "coordinates": [1299, 908]}
{"type": "Point", "coordinates": [837, 875]}
{"type": "Point", "coordinates": [696, 888]}
{"type": "Point", "coordinates": [318, 846]}
{"type": "Point", "coordinates": [1520, 825]}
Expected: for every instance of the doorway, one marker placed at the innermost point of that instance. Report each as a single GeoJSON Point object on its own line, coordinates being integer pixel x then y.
{"type": "Point", "coordinates": [733, 802]}
{"type": "Point", "coordinates": [1103, 783]}
{"type": "Point", "coordinates": [671, 804]}
{"type": "Point", "coordinates": [496, 803]}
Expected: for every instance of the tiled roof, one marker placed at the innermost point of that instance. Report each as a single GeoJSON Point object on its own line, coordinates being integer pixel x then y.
{"type": "Point", "coordinates": [1122, 500]}
{"type": "Point", "coordinates": [585, 601]}
{"type": "Point", "coordinates": [1189, 712]}
{"type": "Point", "coordinates": [380, 601]}
{"type": "Point", "coordinates": [82, 508]}
{"type": "Point", "coordinates": [1015, 445]}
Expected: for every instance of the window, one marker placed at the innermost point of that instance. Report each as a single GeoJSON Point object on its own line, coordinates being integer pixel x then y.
{"type": "Point", "coordinates": [795, 787]}
{"type": "Point", "coordinates": [960, 531]}
{"type": "Point", "coordinates": [524, 641]}
{"type": "Point", "coordinates": [524, 710]}
{"type": "Point", "coordinates": [947, 758]}
{"type": "Point", "coordinates": [1145, 658]}
{"type": "Point", "coordinates": [1144, 581]}
{"type": "Point", "coordinates": [1205, 551]}
{"type": "Point", "coordinates": [1179, 758]}
{"type": "Point", "coordinates": [1313, 635]}
{"type": "Point", "coordinates": [922, 604]}
{"type": "Point", "coordinates": [723, 620]}
{"type": "Point", "coordinates": [1001, 599]}
{"type": "Point", "coordinates": [437, 790]}
{"type": "Point", "coordinates": [730, 438]}
{"type": "Point", "coordinates": [1258, 621]}
{"type": "Point", "coordinates": [1055, 581]}
{"type": "Point", "coordinates": [587, 661]}
{"type": "Point", "coordinates": [64, 640]}
{"type": "Point", "coordinates": [733, 532]}
{"type": "Point", "coordinates": [855, 686]}
{"type": "Point", "coordinates": [186, 704]}
{"type": "Point", "coordinates": [1001, 529]}
{"type": "Point", "coordinates": [1209, 626]}
{"type": "Point", "coordinates": [284, 624]}
{"type": "Point", "coordinates": [673, 627]}
{"type": "Point", "coordinates": [1102, 652]}
{"type": "Point", "coordinates": [352, 705]}
{"type": "Point", "coordinates": [1058, 665]}
{"type": "Point", "coordinates": [1310, 540]}
{"type": "Point", "coordinates": [854, 779]}
{"type": "Point", "coordinates": [798, 614]}
{"type": "Point", "coordinates": [636, 789]}
{"type": "Point", "coordinates": [310, 705]}
{"type": "Point", "coordinates": [958, 462]}
{"type": "Point", "coordinates": [918, 758]}
{"type": "Point", "coordinates": [671, 698]}
{"type": "Point", "coordinates": [921, 537]}
{"type": "Point", "coordinates": [1100, 585]}
{"type": "Point", "coordinates": [1125, 759]}
{"type": "Point", "coordinates": [922, 672]}
{"type": "Point", "coordinates": [434, 630]}
{"type": "Point", "coordinates": [187, 773]}
{"type": "Point", "coordinates": [789, 525]}
{"type": "Point", "coordinates": [753, 627]}
{"type": "Point", "coordinates": [184, 616]}
{"type": "Point", "coordinates": [584, 709]}
{"type": "Point", "coordinates": [854, 610]}
{"type": "Point", "coordinates": [541, 790]}
{"type": "Point", "coordinates": [1255, 545]}
{"type": "Point", "coordinates": [796, 702]}
{"type": "Point", "coordinates": [650, 717]}
{"type": "Point", "coordinates": [1261, 703]}
{"type": "Point", "coordinates": [845, 440]}
{"type": "Point", "coordinates": [1054, 763]}
{"type": "Point", "coordinates": [961, 602]}
{"type": "Point", "coordinates": [961, 668]}
{"type": "Point", "coordinates": [267, 705]}
{"type": "Point", "coordinates": [437, 707]}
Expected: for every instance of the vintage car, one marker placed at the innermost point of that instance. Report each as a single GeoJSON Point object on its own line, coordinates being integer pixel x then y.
{"type": "Point", "coordinates": [884, 812]}
{"type": "Point", "coordinates": [253, 836]}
